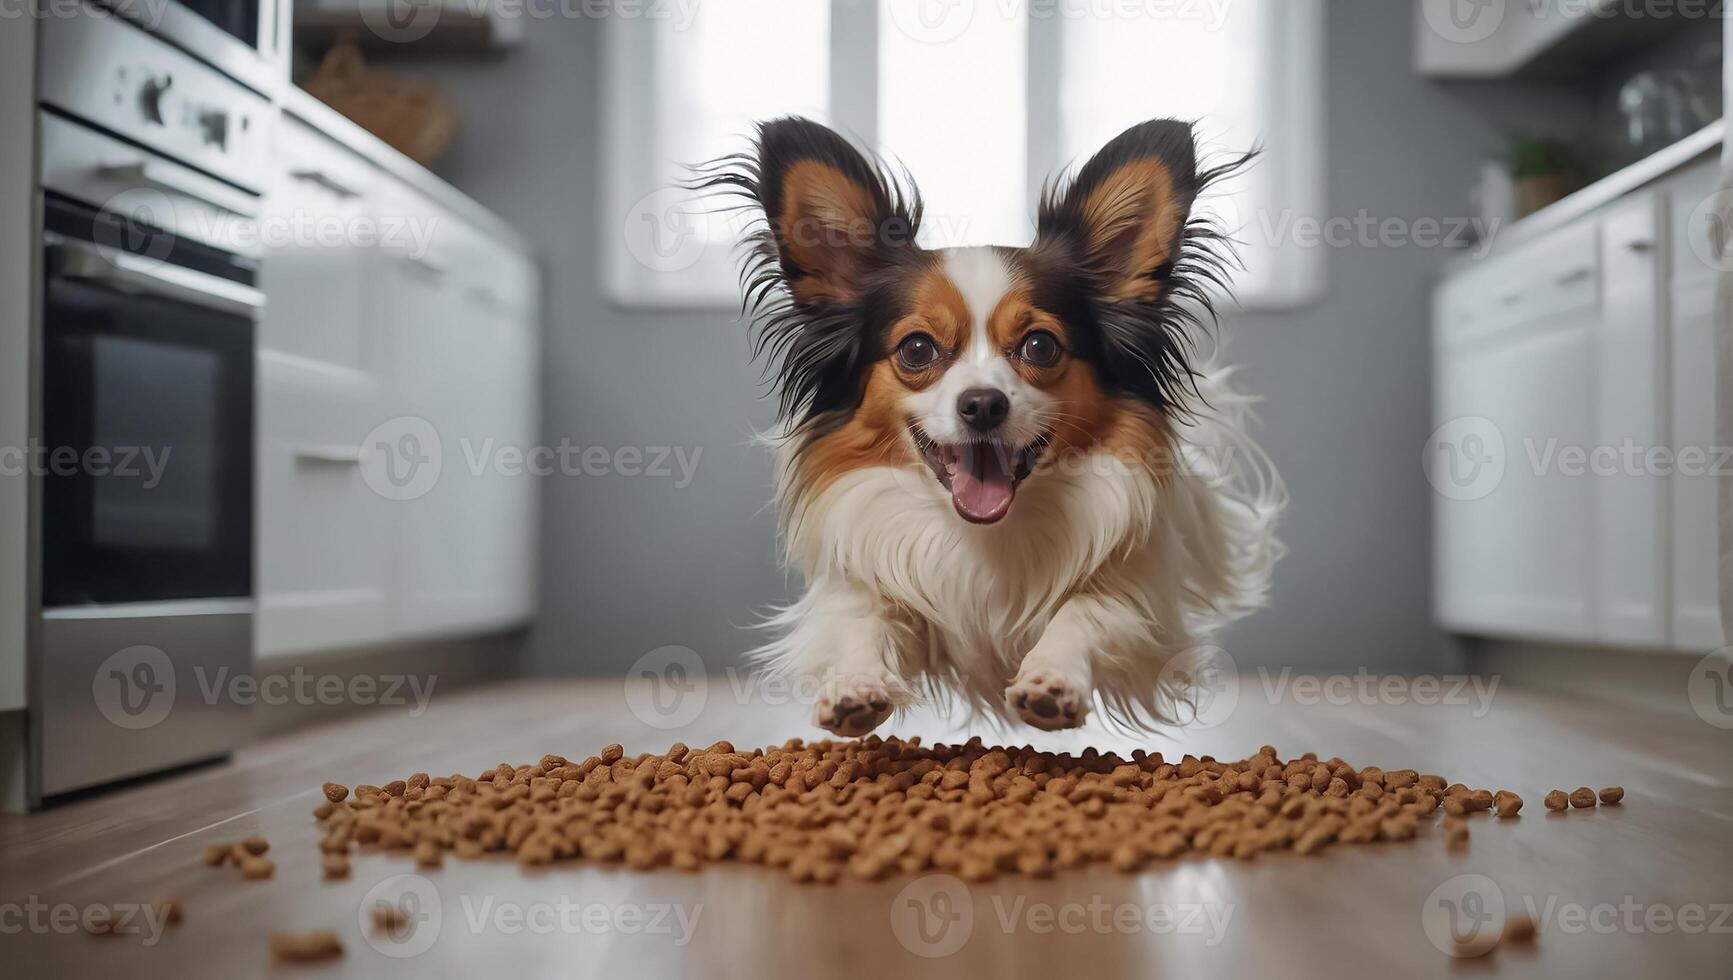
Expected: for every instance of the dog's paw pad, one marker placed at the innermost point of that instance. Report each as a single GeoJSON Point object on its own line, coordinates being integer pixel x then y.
{"type": "Point", "coordinates": [1048, 701]}
{"type": "Point", "coordinates": [853, 712]}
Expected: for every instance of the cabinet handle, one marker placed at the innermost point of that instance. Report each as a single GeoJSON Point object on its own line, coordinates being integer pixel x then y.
{"type": "Point", "coordinates": [151, 174]}
{"type": "Point", "coordinates": [325, 180]}
{"type": "Point", "coordinates": [1575, 276]}
{"type": "Point", "coordinates": [1641, 246]}
{"type": "Point", "coordinates": [332, 455]}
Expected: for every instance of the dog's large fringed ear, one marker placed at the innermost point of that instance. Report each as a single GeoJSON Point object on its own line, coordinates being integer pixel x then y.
{"type": "Point", "coordinates": [835, 217]}
{"type": "Point", "coordinates": [1122, 220]}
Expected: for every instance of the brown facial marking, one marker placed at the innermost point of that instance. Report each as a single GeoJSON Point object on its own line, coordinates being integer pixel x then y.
{"type": "Point", "coordinates": [936, 308]}
{"type": "Point", "coordinates": [1133, 220]}
{"type": "Point", "coordinates": [826, 226]}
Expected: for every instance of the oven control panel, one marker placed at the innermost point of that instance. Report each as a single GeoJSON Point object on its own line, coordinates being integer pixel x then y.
{"type": "Point", "coordinates": [108, 72]}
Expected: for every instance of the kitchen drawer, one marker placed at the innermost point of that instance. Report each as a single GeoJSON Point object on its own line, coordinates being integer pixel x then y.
{"type": "Point", "coordinates": [1557, 275]}
{"type": "Point", "coordinates": [326, 539]}
{"type": "Point", "coordinates": [310, 158]}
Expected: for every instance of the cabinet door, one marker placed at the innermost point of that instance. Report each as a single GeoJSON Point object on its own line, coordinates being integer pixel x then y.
{"type": "Point", "coordinates": [1696, 610]}
{"type": "Point", "coordinates": [1630, 481]}
{"type": "Point", "coordinates": [1516, 556]}
{"type": "Point", "coordinates": [325, 540]}
{"type": "Point", "coordinates": [464, 342]}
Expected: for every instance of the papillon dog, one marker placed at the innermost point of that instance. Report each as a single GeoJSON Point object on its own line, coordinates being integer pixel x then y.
{"type": "Point", "coordinates": [999, 470]}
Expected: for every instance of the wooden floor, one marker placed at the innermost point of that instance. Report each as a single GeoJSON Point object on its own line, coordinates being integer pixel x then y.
{"type": "Point", "coordinates": [1617, 890]}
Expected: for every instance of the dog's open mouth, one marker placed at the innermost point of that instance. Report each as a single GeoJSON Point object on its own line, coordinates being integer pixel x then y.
{"type": "Point", "coordinates": [982, 476]}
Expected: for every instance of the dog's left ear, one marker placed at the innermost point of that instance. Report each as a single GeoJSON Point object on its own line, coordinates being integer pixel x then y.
{"type": "Point", "coordinates": [1122, 220]}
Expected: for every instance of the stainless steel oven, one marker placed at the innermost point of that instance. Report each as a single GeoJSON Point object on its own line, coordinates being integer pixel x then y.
{"type": "Point", "coordinates": [142, 499]}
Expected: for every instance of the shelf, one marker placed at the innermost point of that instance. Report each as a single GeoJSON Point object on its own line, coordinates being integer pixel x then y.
{"type": "Point", "coordinates": [452, 25]}
{"type": "Point", "coordinates": [1539, 41]}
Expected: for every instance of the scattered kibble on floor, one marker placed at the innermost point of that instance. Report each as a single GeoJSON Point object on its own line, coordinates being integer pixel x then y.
{"type": "Point", "coordinates": [880, 806]}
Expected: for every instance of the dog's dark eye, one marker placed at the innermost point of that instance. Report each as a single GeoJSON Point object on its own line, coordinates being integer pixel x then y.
{"type": "Point", "coordinates": [1040, 348]}
{"type": "Point", "coordinates": [917, 351]}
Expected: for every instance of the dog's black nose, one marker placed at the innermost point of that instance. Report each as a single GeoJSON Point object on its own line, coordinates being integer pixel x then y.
{"type": "Point", "coordinates": [982, 409]}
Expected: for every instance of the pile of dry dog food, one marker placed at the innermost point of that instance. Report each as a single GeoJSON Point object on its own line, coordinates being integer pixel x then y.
{"type": "Point", "coordinates": [876, 807]}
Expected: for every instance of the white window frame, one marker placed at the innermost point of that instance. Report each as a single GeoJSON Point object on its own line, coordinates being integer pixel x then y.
{"type": "Point", "coordinates": [629, 96]}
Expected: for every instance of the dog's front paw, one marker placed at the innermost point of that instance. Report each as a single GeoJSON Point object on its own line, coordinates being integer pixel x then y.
{"type": "Point", "coordinates": [1047, 700]}
{"type": "Point", "coordinates": [851, 707]}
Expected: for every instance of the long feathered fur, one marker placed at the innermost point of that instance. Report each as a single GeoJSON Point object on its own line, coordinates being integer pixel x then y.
{"type": "Point", "coordinates": [1155, 562]}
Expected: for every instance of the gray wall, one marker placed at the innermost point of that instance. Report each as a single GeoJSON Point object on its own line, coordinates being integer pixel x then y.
{"type": "Point", "coordinates": [630, 565]}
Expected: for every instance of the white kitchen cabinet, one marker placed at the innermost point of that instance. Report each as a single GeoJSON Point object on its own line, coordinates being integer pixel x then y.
{"type": "Point", "coordinates": [1590, 354]}
{"type": "Point", "coordinates": [398, 368]}
{"type": "Point", "coordinates": [325, 539]}
{"type": "Point", "coordinates": [463, 323]}
{"type": "Point", "coordinates": [1512, 555]}
{"type": "Point", "coordinates": [1631, 484]}
{"type": "Point", "coordinates": [1696, 614]}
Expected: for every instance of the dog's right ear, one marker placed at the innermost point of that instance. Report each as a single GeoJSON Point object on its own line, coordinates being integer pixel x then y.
{"type": "Point", "coordinates": [835, 217]}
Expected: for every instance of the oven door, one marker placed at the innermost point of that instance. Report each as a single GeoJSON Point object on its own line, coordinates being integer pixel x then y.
{"type": "Point", "coordinates": [145, 497]}
{"type": "Point", "coordinates": [147, 417]}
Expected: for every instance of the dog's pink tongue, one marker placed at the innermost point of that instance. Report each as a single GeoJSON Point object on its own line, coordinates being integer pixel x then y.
{"type": "Point", "coordinates": [981, 489]}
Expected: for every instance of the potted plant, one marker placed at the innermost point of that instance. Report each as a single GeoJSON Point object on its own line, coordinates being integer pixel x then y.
{"type": "Point", "coordinates": [1544, 169]}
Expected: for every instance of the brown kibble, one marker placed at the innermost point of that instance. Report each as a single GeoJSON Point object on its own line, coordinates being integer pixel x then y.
{"type": "Point", "coordinates": [256, 845]}
{"type": "Point", "coordinates": [1557, 800]}
{"type": "Point", "coordinates": [1507, 804]}
{"type": "Point", "coordinates": [217, 855]}
{"type": "Point", "coordinates": [388, 919]}
{"type": "Point", "coordinates": [1455, 833]}
{"type": "Point", "coordinates": [336, 792]}
{"type": "Point", "coordinates": [875, 807]}
{"type": "Point", "coordinates": [1519, 928]}
{"type": "Point", "coordinates": [306, 947]}
{"type": "Point", "coordinates": [257, 868]}
{"type": "Point", "coordinates": [428, 855]}
{"type": "Point", "coordinates": [1612, 794]}
{"type": "Point", "coordinates": [1582, 797]}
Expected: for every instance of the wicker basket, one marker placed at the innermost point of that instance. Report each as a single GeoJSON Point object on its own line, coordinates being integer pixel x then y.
{"type": "Point", "coordinates": [414, 115]}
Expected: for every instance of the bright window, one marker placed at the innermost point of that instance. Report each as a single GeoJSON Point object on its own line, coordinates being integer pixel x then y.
{"type": "Point", "coordinates": [952, 110]}
{"type": "Point", "coordinates": [980, 101]}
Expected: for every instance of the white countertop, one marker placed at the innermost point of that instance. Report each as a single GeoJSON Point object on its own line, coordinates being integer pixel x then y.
{"type": "Point", "coordinates": [297, 102]}
{"type": "Point", "coordinates": [1603, 192]}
